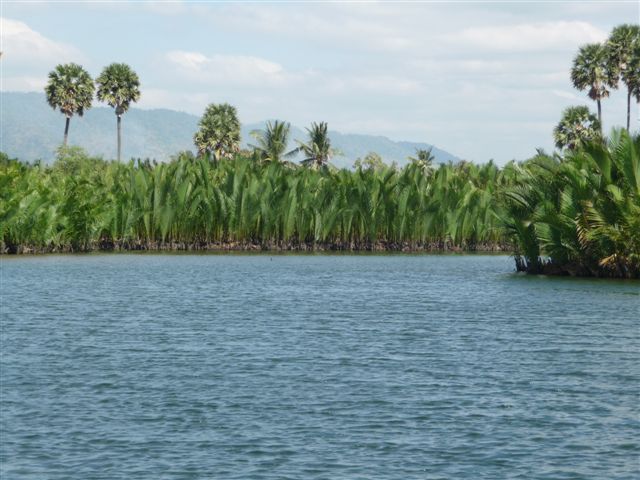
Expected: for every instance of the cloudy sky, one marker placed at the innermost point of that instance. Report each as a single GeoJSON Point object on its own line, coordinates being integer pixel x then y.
{"type": "Point", "coordinates": [480, 79]}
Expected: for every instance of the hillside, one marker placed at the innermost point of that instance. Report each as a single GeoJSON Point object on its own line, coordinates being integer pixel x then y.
{"type": "Point", "coordinates": [31, 130]}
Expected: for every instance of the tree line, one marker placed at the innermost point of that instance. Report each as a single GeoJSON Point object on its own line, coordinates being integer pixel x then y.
{"type": "Point", "coordinates": [576, 213]}
{"type": "Point", "coordinates": [597, 69]}
{"type": "Point", "coordinates": [573, 212]}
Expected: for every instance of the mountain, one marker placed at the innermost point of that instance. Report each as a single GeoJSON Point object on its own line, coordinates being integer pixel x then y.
{"type": "Point", "coordinates": [31, 130]}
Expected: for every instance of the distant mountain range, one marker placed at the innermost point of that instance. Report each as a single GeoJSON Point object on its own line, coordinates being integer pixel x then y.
{"type": "Point", "coordinates": [31, 130]}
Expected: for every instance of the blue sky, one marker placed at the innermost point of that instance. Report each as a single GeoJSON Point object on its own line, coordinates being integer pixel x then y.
{"type": "Point", "coordinates": [480, 79]}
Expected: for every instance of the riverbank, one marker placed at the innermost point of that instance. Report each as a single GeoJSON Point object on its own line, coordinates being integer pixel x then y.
{"type": "Point", "coordinates": [129, 246]}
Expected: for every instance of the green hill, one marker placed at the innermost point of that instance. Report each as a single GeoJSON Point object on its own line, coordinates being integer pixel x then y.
{"type": "Point", "coordinates": [31, 130]}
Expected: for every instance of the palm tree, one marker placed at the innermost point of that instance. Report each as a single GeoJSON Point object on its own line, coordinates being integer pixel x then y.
{"type": "Point", "coordinates": [592, 71]}
{"type": "Point", "coordinates": [623, 49]}
{"type": "Point", "coordinates": [424, 158]}
{"type": "Point", "coordinates": [272, 141]}
{"type": "Point", "coordinates": [577, 126]}
{"type": "Point", "coordinates": [219, 131]}
{"type": "Point", "coordinates": [371, 161]}
{"type": "Point", "coordinates": [118, 85]}
{"type": "Point", "coordinates": [317, 150]}
{"type": "Point", "coordinates": [70, 90]}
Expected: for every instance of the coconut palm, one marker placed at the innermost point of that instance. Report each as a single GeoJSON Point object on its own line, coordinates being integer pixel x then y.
{"type": "Point", "coordinates": [423, 158]}
{"type": "Point", "coordinates": [272, 141]}
{"type": "Point", "coordinates": [118, 85]}
{"type": "Point", "coordinates": [317, 150]}
{"type": "Point", "coordinates": [577, 126]}
{"type": "Point", "coordinates": [219, 132]}
{"type": "Point", "coordinates": [622, 47]}
{"type": "Point", "coordinates": [591, 71]}
{"type": "Point", "coordinates": [70, 90]}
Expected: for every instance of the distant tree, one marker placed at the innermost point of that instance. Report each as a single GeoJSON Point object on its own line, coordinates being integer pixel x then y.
{"type": "Point", "coordinates": [371, 161]}
{"type": "Point", "coordinates": [219, 131]}
{"type": "Point", "coordinates": [577, 126]}
{"type": "Point", "coordinates": [118, 85]}
{"type": "Point", "coordinates": [317, 150]}
{"type": "Point", "coordinates": [272, 141]}
{"type": "Point", "coordinates": [623, 52]}
{"type": "Point", "coordinates": [70, 90]}
{"type": "Point", "coordinates": [423, 158]}
{"type": "Point", "coordinates": [591, 71]}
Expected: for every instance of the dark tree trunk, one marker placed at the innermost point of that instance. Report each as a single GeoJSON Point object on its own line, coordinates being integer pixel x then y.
{"type": "Point", "coordinates": [119, 136]}
{"type": "Point", "coordinates": [599, 114]}
{"type": "Point", "coordinates": [66, 131]}
{"type": "Point", "coordinates": [628, 108]}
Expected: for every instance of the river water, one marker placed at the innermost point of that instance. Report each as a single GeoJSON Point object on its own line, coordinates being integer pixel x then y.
{"type": "Point", "coordinates": [132, 366]}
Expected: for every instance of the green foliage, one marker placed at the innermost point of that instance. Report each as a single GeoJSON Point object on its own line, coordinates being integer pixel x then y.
{"type": "Point", "coordinates": [70, 89]}
{"type": "Point", "coordinates": [424, 159]}
{"type": "Point", "coordinates": [370, 161]}
{"type": "Point", "coordinates": [577, 126]}
{"type": "Point", "coordinates": [575, 214]}
{"type": "Point", "coordinates": [118, 86]}
{"type": "Point", "coordinates": [219, 131]}
{"type": "Point", "coordinates": [581, 212]}
{"type": "Point", "coordinates": [85, 203]}
{"type": "Point", "coordinates": [272, 141]}
{"type": "Point", "coordinates": [593, 72]}
{"type": "Point", "coordinates": [317, 149]}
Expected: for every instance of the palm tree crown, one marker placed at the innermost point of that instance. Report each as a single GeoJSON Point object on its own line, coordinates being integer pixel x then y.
{"type": "Point", "coordinates": [424, 158]}
{"type": "Point", "coordinates": [317, 150]}
{"type": "Point", "coordinates": [591, 71]}
{"type": "Point", "coordinates": [219, 131]}
{"type": "Point", "coordinates": [70, 90]}
{"type": "Point", "coordinates": [118, 86]}
{"type": "Point", "coordinates": [577, 126]}
{"type": "Point", "coordinates": [272, 141]}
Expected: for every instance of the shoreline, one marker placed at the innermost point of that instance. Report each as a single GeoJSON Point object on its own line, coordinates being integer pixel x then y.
{"type": "Point", "coordinates": [302, 247]}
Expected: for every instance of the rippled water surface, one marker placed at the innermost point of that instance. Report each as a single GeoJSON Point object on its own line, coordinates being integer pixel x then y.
{"type": "Point", "coordinates": [304, 367]}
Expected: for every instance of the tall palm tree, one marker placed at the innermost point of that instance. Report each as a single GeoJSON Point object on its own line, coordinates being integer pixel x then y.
{"type": "Point", "coordinates": [577, 126]}
{"type": "Point", "coordinates": [118, 85]}
{"type": "Point", "coordinates": [70, 90]}
{"type": "Point", "coordinates": [591, 71]}
{"type": "Point", "coordinates": [623, 50]}
{"type": "Point", "coordinates": [317, 150]}
{"type": "Point", "coordinates": [272, 141]}
{"type": "Point", "coordinates": [219, 131]}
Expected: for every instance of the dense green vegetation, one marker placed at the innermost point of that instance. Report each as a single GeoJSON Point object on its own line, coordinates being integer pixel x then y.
{"type": "Point", "coordinates": [571, 213]}
{"type": "Point", "coordinates": [575, 214]}
{"type": "Point", "coordinates": [83, 203]}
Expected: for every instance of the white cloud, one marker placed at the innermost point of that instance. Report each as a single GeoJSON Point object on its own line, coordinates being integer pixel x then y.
{"type": "Point", "coordinates": [372, 83]}
{"type": "Point", "coordinates": [228, 69]}
{"type": "Point", "coordinates": [23, 46]}
{"type": "Point", "coordinates": [343, 25]}
{"type": "Point", "coordinates": [559, 35]}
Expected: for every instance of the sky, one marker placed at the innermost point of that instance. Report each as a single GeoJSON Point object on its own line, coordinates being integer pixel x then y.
{"type": "Point", "coordinates": [482, 80]}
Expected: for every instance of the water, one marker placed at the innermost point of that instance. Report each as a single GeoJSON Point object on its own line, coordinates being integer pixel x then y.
{"type": "Point", "coordinates": [327, 367]}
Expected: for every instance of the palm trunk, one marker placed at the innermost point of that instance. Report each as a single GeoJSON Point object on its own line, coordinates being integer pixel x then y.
{"type": "Point", "coordinates": [599, 114]}
{"type": "Point", "coordinates": [119, 136]}
{"type": "Point", "coordinates": [66, 131]}
{"type": "Point", "coordinates": [628, 108]}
